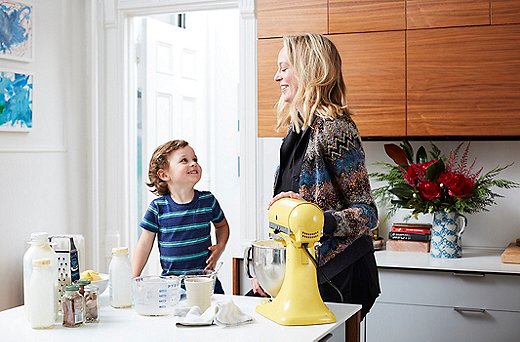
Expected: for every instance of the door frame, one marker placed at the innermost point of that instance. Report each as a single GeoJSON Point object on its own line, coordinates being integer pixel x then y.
{"type": "Point", "coordinates": [112, 111]}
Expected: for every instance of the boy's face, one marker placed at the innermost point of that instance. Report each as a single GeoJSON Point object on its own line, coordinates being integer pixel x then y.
{"type": "Point", "coordinates": [183, 170]}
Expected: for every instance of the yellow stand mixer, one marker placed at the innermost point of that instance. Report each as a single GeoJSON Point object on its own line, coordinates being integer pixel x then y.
{"type": "Point", "coordinates": [299, 224]}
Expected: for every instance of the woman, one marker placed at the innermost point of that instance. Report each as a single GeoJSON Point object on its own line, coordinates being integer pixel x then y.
{"type": "Point", "coordinates": [322, 161]}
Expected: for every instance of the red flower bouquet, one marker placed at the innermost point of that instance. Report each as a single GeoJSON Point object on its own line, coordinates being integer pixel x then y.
{"type": "Point", "coordinates": [431, 182]}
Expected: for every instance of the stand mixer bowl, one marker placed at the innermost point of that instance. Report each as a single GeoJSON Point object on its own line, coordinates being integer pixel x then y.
{"type": "Point", "coordinates": [265, 260]}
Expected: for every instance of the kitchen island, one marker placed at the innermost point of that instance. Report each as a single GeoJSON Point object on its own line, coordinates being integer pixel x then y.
{"type": "Point", "coordinates": [126, 324]}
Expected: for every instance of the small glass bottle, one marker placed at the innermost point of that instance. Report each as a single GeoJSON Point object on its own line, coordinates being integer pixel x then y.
{"type": "Point", "coordinates": [91, 304]}
{"type": "Point", "coordinates": [41, 295]}
{"type": "Point", "coordinates": [73, 307]}
{"type": "Point", "coordinates": [120, 278]}
{"type": "Point", "coordinates": [82, 283]}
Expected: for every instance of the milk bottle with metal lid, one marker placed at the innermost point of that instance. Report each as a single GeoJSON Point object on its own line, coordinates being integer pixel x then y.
{"type": "Point", "coordinates": [120, 278]}
{"type": "Point", "coordinates": [42, 295]}
{"type": "Point", "coordinates": [39, 249]}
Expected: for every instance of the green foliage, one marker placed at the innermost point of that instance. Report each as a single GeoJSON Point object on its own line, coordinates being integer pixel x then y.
{"type": "Point", "coordinates": [397, 193]}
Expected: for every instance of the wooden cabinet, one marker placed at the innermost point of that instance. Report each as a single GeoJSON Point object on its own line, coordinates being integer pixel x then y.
{"type": "Point", "coordinates": [277, 18]}
{"type": "Point", "coordinates": [413, 68]}
{"type": "Point", "coordinates": [364, 16]}
{"type": "Point", "coordinates": [505, 12]}
{"type": "Point", "coordinates": [444, 13]}
{"type": "Point", "coordinates": [374, 69]}
{"type": "Point", "coordinates": [268, 89]}
{"type": "Point", "coordinates": [464, 81]}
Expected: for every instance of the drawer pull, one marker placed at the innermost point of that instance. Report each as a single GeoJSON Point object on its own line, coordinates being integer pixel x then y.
{"type": "Point", "coordinates": [469, 274]}
{"type": "Point", "coordinates": [462, 309]}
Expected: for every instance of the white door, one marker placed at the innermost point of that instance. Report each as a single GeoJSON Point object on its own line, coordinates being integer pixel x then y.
{"type": "Point", "coordinates": [172, 99]}
{"type": "Point", "coordinates": [189, 92]}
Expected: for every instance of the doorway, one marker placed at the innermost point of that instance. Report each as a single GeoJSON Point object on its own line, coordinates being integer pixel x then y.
{"type": "Point", "coordinates": [187, 88]}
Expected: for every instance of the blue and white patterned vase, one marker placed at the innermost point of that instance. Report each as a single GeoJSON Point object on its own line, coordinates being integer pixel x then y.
{"type": "Point", "coordinates": [446, 234]}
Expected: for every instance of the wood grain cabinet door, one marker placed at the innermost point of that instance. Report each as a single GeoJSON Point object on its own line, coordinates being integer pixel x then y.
{"type": "Point", "coordinates": [464, 81]}
{"type": "Point", "coordinates": [364, 16]}
{"type": "Point", "coordinates": [445, 13]}
{"type": "Point", "coordinates": [279, 18]}
{"type": "Point", "coordinates": [505, 12]}
{"type": "Point", "coordinates": [268, 89]}
{"type": "Point", "coordinates": [374, 72]}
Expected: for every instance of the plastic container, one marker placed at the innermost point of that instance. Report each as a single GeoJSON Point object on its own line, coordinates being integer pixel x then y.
{"type": "Point", "coordinates": [42, 313]}
{"type": "Point", "coordinates": [120, 278]}
{"type": "Point", "coordinates": [39, 249]}
{"type": "Point", "coordinates": [155, 295]}
{"type": "Point", "coordinates": [73, 307]}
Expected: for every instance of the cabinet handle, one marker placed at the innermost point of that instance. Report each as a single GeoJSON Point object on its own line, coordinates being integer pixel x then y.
{"type": "Point", "coordinates": [469, 274]}
{"type": "Point", "coordinates": [463, 309]}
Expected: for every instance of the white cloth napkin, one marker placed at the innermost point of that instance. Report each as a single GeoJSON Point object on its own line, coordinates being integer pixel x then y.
{"type": "Point", "coordinates": [225, 313]}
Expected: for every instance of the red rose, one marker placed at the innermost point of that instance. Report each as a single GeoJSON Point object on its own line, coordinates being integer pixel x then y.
{"type": "Point", "coordinates": [416, 173]}
{"type": "Point", "coordinates": [429, 190]}
{"type": "Point", "coordinates": [458, 185]}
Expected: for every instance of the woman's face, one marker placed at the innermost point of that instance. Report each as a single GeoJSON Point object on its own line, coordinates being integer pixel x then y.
{"type": "Point", "coordinates": [286, 78]}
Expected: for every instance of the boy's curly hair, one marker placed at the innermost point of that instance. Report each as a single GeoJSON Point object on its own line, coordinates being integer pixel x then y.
{"type": "Point", "coordinates": [159, 161]}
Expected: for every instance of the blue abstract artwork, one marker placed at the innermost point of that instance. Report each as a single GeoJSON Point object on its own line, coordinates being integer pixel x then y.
{"type": "Point", "coordinates": [16, 30]}
{"type": "Point", "coordinates": [15, 101]}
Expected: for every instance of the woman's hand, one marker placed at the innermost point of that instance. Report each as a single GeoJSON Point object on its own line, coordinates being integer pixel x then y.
{"type": "Point", "coordinates": [290, 194]}
{"type": "Point", "coordinates": [257, 288]}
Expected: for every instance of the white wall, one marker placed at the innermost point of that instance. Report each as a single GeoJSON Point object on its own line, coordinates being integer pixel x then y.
{"type": "Point", "coordinates": [43, 173]}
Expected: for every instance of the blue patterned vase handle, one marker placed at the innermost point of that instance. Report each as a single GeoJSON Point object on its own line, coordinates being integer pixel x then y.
{"type": "Point", "coordinates": [462, 222]}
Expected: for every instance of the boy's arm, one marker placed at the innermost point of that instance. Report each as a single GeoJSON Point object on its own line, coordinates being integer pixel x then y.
{"type": "Point", "coordinates": [222, 235]}
{"type": "Point", "coordinates": [142, 252]}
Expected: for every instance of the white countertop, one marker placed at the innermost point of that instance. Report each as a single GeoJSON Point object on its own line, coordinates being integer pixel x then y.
{"type": "Point", "coordinates": [127, 325]}
{"type": "Point", "coordinates": [473, 260]}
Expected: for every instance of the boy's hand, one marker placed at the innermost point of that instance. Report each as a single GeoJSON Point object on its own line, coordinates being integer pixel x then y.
{"type": "Point", "coordinates": [216, 251]}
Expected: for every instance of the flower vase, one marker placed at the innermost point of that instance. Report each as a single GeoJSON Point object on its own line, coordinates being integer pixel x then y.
{"type": "Point", "coordinates": [446, 234]}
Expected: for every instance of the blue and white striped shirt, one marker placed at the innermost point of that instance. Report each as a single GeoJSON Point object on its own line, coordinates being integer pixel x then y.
{"type": "Point", "coordinates": [183, 230]}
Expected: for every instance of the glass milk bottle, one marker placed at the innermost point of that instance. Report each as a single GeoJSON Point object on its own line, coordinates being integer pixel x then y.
{"type": "Point", "coordinates": [120, 278]}
{"type": "Point", "coordinates": [39, 249]}
{"type": "Point", "coordinates": [42, 295]}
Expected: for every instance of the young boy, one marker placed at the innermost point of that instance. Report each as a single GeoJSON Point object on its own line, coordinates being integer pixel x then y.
{"type": "Point", "coordinates": [181, 216]}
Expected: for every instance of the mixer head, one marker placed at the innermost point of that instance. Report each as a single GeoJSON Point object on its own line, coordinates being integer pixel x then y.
{"type": "Point", "coordinates": [296, 221]}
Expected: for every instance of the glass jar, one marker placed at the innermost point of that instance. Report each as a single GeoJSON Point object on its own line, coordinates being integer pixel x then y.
{"type": "Point", "coordinates": [91, 304]}
{"type": "Point", "coordinates": [73, 307]}
{"type": "Point", "coordinates": [82, 283]}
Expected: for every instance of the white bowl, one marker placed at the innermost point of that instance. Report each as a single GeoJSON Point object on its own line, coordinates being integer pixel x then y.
{"type": "Point", "coordinates": [101, 284]}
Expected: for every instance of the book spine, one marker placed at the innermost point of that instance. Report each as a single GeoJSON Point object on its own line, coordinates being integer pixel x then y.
{"type": "Point", "coordinates": [408, 236]}
{"type": "Point", "coordinates": [410, 230]}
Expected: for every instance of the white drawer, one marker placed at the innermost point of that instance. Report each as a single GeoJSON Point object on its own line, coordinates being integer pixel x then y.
{"type": "Point", "coordinates": [486, 291]}
{"type": "Point", "coordinates": [412, 323]}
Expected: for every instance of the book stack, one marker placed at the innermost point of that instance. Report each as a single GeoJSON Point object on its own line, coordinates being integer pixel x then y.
{"type": "Point", "coordinates": [409, 237]}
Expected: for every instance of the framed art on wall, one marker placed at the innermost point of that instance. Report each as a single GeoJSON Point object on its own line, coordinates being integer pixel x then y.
{"type": "Point", "coordinates": [16, 92]}
{"type": "Point", "coordinates": [17, 30]}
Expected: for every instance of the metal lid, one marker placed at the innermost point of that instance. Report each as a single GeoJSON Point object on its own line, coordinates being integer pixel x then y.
{"type": "Point", "coordinates": [71, 287]}
{"type": "Point", "coordinates": [83, 281]}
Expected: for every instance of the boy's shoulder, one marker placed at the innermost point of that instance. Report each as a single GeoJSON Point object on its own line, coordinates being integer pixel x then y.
{"type": "Point", "coordinates": [204, 194]}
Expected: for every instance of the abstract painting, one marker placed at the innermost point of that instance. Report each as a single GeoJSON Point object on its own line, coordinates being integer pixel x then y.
{"type": "Point", "coordinates": [16, 30]}
{"type": "Point", "coordinates": [15, 101]}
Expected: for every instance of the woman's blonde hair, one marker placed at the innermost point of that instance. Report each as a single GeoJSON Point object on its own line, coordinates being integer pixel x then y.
{"type": "Point", "coordinates": [321, 89]}
{"type": "Point", "coordinates": [158, 161]}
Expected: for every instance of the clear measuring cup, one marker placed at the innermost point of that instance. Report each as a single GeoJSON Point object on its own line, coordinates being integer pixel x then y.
{"type": "Point", "coordinates": [155, 295]}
